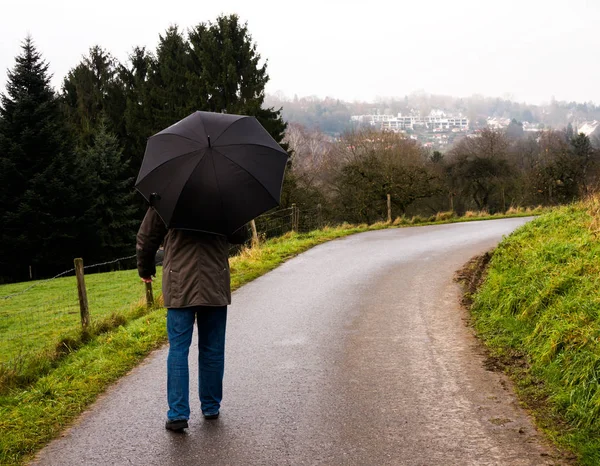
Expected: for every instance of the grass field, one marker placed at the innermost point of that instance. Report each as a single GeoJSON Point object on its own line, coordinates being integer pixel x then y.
{"type": "Point", "coordinates": [54, 304]}
{"type": "Point", "coordinates": [50, 390]}
{"type": "Point", "coordinates": [539, 312]}
{"type": "Point", "coordinates": [39, 324]}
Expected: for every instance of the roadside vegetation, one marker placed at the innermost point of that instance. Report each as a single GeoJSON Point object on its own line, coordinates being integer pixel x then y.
{"type": "Point", "coordinates": [538, 311]}
{"type": "Point", "coordinates": [41, 397]}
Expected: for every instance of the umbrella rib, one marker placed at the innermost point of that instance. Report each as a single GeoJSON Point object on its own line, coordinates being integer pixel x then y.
{"type": "Point", "coordinates": [175, 158]}
{"type": "Point", "coordinates": [179, 136]}
{"type": "Point", "coordinates": [228, 127]}
{"type": "Point", "coordinates": [257, 180]}
{"type": "Point", "coordinates": [226, 130]}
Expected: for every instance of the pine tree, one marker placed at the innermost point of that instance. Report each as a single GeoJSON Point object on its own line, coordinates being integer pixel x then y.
{"type": "Point", "coordinates": [169, 80]}
{"type": "Point", "coordinates": [37, 192]}
{"type": "Point", "coordinates": [93, 91]}
{"type": "Point", "coordinates": [230, 70]}
{"type": "Point", "coordinates": [139, 118]}
{"type": "Point", "coordinates": [110, 221]}
{"type": "Point", "coordinates": [569, 132]}
{"type": "Point", "coordinates": [99, 92]}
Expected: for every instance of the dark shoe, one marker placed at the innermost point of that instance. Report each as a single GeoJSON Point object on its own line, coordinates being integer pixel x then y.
{"type": "Point", "coordinates": [176, 425]}
{"type": "Point", "coordinates": [211, 415]}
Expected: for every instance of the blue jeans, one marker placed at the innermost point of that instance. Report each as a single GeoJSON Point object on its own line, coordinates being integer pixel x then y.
{"type": "Point", "coordinates": [211, 358]}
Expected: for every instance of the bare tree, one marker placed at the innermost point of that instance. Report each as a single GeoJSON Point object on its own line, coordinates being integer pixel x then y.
{"type": "Point", "coordinates": [479, 168]}
{"type": "Point", "coordinates": [372, 164]}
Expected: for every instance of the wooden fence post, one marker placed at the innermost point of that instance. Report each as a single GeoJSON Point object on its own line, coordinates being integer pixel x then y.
{"type": "Point", "coordinates": [254, 233]}
{"type": "Point", "coordinates": [81, 291]}
{"type": "Point", "coordinates": [295, 218]}
{"type": "Point", "coordinates": [389, 206]}
{"type": "Point", "coordinates": [319, 217]}
{"type": "Point", "coordinates": [149, 294]}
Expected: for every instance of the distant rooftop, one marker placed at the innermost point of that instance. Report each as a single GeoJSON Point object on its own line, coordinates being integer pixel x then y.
{"type": "Point", "coordinates": [588, 127]}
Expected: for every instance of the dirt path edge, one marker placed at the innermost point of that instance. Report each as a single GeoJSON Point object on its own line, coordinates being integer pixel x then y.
{"type": "Point", "coordinates": [532, 393]}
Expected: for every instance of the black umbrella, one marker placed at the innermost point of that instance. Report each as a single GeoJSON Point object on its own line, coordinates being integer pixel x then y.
{"type": "Point", "coordinates": [212, 172]}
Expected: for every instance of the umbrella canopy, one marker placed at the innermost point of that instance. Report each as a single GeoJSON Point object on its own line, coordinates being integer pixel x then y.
{"type": "Point", "coordinates": [212, 172]}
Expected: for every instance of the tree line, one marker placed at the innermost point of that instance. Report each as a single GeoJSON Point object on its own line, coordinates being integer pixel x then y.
{"type": "Point", "coordinates": [492, 171]}
{"type": "Point", "coordinates": [69, 158]}
{"type": "Point", "coordinates": [332, 116]}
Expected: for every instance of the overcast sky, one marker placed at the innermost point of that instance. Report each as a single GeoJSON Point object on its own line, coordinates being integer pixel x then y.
{"type": "Point", "coordinates": [526, 50]}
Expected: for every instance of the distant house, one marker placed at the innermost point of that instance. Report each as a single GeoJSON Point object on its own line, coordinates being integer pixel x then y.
{"type": "Point", "coordinates": [589, 128]}
{"type": "Point", "coordinates": [436, 121]}
{"type": "Point", "coordinates": [497, 123]}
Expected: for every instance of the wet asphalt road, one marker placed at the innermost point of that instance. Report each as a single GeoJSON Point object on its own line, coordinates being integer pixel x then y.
{"type": "Point", "coordinates": [353, 353]}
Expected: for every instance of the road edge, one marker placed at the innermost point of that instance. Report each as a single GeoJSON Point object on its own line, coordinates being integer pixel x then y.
{"type": "Point", "coordinates": [530, 392]}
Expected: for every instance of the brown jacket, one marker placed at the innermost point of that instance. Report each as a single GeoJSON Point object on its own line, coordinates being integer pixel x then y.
{"type": "Point", "coordinates": [195, 265]}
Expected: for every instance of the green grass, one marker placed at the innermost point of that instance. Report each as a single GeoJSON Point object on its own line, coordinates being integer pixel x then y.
{"type": "Point", "coordinates": [69, 369]}
{"type": "Point", "coordinates": [40, 325]}
{"type": "Point", "coordinates": [30, 417]}
{"type": "Point", "coordinates": [540, 307]}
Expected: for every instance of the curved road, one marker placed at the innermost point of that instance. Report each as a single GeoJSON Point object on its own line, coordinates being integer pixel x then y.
{"type": "Point", "coordinates": [353, 353]}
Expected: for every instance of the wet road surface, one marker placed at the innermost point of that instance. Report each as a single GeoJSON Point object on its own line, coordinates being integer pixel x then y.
{"type": "Point", "coordinates": [353, 353]}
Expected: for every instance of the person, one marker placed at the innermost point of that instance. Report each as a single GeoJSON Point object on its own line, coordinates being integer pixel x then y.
{"type": "Point", "coordinates": [196, 287]}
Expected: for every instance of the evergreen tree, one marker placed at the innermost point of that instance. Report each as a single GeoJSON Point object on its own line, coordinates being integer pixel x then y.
{"type": "Point", "coordinates": [97, 95]}
{"type": "Point", "coordinates": [139, 118]}
{"type": "Point", "coordinates": [93, 91]}
{"type": "Point", "coordinates": [569, 132]}
{"type": "Point", "coordinates": [216, 70]}
{"type": "Point", "coordinates": [37, 191]}
{"type": "Point", "coordinates": [230, 70]}
{"type": "Point", "coordinates": [170, 94]}
{"type": "Point", "coordinates": [110, 221]}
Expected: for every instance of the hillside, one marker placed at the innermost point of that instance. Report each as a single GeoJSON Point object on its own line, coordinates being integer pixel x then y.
{"type": "Point", "coordinates": [539, 312]}
{"type": "Point", "coordinates": [332, 116]}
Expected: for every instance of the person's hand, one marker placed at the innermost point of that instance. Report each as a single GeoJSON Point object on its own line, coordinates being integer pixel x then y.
{"type": "Point", "coordinates": [147, 279]}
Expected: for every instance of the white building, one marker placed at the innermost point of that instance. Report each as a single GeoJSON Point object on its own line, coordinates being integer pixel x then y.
{"type": "Point", "coordinates": [498, 123]}
{"type": "Point", "coordinates": [372, 119]}
{"type": "Point", "coordinates": [436, 121]}
{"type": "Point", "coordinates": [587, 127]}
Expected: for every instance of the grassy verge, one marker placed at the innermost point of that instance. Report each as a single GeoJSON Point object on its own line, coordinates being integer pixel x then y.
{"type": "Point", "coordinates": [538, 311]}
{"type": "Point", "coordinates": [32, 415]}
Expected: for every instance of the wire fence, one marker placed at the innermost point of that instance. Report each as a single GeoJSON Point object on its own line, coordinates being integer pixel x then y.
{"type": "Point", "coordinates": [37, 317]}
{"type": "Point", "coordinates": [275, 223]}
{"type": "Point", "coordinates": [310, 219]}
